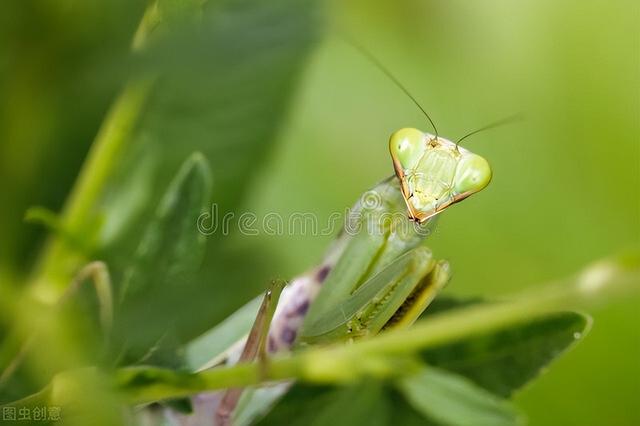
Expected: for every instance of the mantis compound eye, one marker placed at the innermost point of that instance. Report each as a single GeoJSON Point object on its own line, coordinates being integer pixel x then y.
{"type": "Point", "coordinates": [472, 174]}
{"type": "Point", "coordinates": [407, 146]}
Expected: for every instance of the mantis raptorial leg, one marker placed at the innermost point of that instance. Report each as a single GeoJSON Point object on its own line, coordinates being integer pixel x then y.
{"type": "Point", "coordinates": [255, 347]}
{"type": "Point", "coordinates": [367, 310]}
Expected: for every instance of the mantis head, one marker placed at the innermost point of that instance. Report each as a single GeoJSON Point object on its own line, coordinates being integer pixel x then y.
{"type": "Point", "coordinates": [435, 173]}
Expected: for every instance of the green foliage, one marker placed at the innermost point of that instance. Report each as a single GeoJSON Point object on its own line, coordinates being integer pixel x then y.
{"type": "Point", "coordinates": [319, 406]}
{"type": "Point", "coordinates": [217, 340]}
{"type": "Point", "coordinates": [506, 359]}
{"type": "Point", "coordinates": [192, 83]}
{"type": "Point", "coordinates": [391, 358]}
{"type": "Point", "coordinates": [219, 91]}
{"type": "Point", "coordinates": [452, 400]}
{"type": "Point", "coordinates": [166, 260]}
{"type": "Point", "coordinates": [475, 373]}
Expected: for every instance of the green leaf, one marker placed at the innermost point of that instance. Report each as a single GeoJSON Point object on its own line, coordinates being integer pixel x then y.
{"type": "Point", "coordinates": [223, 88]}
{"type": "Point", "coordinates": [452, 400]}
{"type": "Point", "coordinates": [215, 341]}
{"type": "Point", "coordinates": [362, 404]}
{"type": "Point", "coordinates": [507, 358]}
{"type": "Point", "coordinates": [255, 402]}
{"type": "Point", "coordinates": [168, 256]}
{"type": "Point", "coordinates": [171, 245]}
{"type": "Point", "coordinates": [443, 303]}
{"type": "Point", "coordinates": [365, 403]}
{"type": "Point", "coordinates": [428, 398]}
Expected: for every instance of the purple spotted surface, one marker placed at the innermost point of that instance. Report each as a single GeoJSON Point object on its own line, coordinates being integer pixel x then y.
{"type": "Point", "coordinates": [294, 304]}
{"type": "Point", "coordinates": [297, 297]}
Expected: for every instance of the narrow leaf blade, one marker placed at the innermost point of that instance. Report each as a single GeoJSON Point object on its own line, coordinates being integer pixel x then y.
{"type": "Point", "coordinates": [168, 256]}
{"type": "Point", "coordinates": [449, 399]}
{"type": "Point", "coordinates": [508, 358]}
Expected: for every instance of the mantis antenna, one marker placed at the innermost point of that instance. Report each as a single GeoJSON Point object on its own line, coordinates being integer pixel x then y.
{"type": "Point", "coordinates": [502, 122]}
{"type": "Point", "coordinates": [374, 60]}
{"type": "Point", "coordinates": [388, 73]}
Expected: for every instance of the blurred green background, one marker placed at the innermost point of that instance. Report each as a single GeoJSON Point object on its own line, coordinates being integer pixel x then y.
{"type": "Point", "coordinates": [566, 179]}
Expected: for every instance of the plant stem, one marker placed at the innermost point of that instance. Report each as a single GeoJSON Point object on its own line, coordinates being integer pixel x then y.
{"type": "Point", "coordinates": [59, 261]}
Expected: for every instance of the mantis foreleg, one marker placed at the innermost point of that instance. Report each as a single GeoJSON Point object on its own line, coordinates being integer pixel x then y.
{"type": "Point", "coordinates": [254, 347]}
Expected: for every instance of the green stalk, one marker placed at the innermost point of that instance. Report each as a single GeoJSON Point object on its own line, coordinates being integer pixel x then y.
{"type": "Point", "coordinates": [59, 260]}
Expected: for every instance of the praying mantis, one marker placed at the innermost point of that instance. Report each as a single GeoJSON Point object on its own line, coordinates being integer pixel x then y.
{"type": "Point", "coordinates": [378, 274]}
